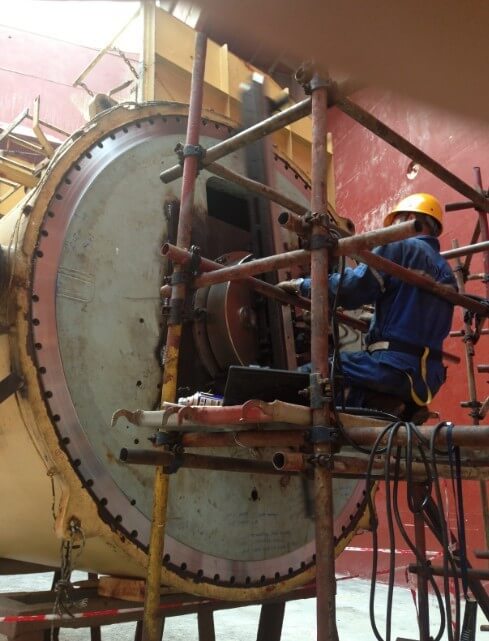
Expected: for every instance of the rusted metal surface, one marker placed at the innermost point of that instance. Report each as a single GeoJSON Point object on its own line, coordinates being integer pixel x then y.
{"type": "Point", "coordinates": [423, 282]}
{"type": "Point", "coordinates": [178, 255]}
{"type": "Point", "coordinates": [251, 438]}
{"type": "Point", "coordinates": [357, 466]}
{"type": "Point", "coordinates": [268, 126]}
{"type": "Point", "coordinates": [258, 266]}
{"type": "Point", "coordinates": [289, 462]}
{"type": "Point", "coordinates": [376, 237]}
{"type": "Point", "coordinates": [151, 627]}
{"type": "Point", "coordinates": [196, 461]}
{"type": "Point", "coordinates": [256, 187]}
{"type": "Point", "coordinates": [323, 478]}
{"type": "Point", "coordinates": [344, 247]}
{"type": "Point", "coordinates": [230, 320]}
{"type": "Point", "coordinates": [377, 127]}
{"type": "Point", "coordinates": [476, 436]}
{"type": "Point", "coordinates": [295, 223]}
{"type": "Point", "coordinates": [471, 470]}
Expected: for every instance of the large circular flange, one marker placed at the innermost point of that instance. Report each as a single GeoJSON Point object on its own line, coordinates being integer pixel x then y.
{"type": "Point", "coordinates": [231, 322]}
{"type": "Point", "coordinates": [95, 328]}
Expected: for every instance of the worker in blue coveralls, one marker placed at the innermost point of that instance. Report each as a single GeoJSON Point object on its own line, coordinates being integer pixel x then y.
{"type": "Point", "coordinates": [403, 357]}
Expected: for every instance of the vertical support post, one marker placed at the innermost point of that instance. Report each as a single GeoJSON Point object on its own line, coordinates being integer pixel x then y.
{"type": "Point", "coordinates": [323, 478]}
{"type": "Point", "coordinates": [271, 621]}
{"type": "Point", "coordinates": [469, 363]}
{"type": "Point", "coordinates": [205, 624]}
{"type": "Point", "coordinates": [170, 373]}
{"type": "Point", "coordinates": [484, 229]}
{"type": "Point", "coordinates": [420, 540]}
{"type": "Point", "coordinates": [469, 343]}
{"type": "Point", "coordinates": [264, 228]}
{"type": "Point", "coordinates": [483, 236]}
{"type": "Point", "coordinates": [147, 86]}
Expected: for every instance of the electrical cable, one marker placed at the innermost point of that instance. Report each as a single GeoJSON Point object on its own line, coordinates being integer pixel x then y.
{"type": "Point", "coordinates": [432, 512]}
{"type": "Point", "coordinates": [390, 528]}
{"type": "Point", "coordinates": [369, 483]}
{"type": "Point", "coordinates": [441, 531]}
{"type": "Point", "coordinates": [416, 509]}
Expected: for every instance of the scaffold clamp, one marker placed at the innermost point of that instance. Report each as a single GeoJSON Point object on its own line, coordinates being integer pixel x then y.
{"type": "Point", "coordinates": [186, 151]}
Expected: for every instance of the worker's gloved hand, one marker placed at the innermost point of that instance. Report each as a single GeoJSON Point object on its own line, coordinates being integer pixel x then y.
{"type": "Point", "coordinates": [291, 286]}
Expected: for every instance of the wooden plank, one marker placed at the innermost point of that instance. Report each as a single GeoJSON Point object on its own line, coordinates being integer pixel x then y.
{"type": "Point", "coordinates": [127, 589]}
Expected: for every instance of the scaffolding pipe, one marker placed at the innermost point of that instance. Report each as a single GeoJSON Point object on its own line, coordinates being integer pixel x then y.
{"type": "Point", "coordinates": [476, 436]}
{"type": "Point", "coordinates": [321, 413]}
{"type": "Point", "coordinates": [357, 467]}
{"type": "Point", "coordinates": [183, 257]}
{"type": "Point", "coordinates": [473, 241]}
{"type": "Point", "coordinates": [294, 223]}
{"type": "Point", "coordinates": [391, 137]}
{"type": "Point", "coordinates": [466, 250]}
{"type": "Point", "coordinates": [469, 345]}
{"type": "Point", "coordinates": [151, 627]}
{"type": "Point", "coordinates": [476, 406]}
{"type": "Point", "coordinates": [484, 229]}
{"type": "Point", "coordinates": [423, 282]}
{"type": "Point", "coordinates": [344, 247]}
{"type": "Point", "coordinates": [180, 256]}
{"type": "Point", "coordinates": [164, 459]}
{"type": "Point", "coordinates": [239, 140]}
{"type": "Point", "coordinates": [250, 439]}
{"type": "Point", "coordinates": [257, 188]}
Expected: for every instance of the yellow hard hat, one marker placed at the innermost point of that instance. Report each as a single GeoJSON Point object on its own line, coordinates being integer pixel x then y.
{"type": "Point", "coordinates": [420, 204]}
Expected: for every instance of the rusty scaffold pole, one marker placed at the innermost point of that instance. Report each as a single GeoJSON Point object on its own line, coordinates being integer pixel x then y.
{"type": "Point", "coordinates": [470, 338]}
{"type": "Point", "coordinates": [484, 237]}
{"type": "Point", "coordinates": [319, 387]}
{"type": "Point", "coordinates": [252, 134]}
{"type": "Point", "coordinates": [151, 626]}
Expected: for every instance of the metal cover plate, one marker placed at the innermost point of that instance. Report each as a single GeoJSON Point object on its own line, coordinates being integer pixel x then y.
{"type": "Point", "coordinates": [96, 316]}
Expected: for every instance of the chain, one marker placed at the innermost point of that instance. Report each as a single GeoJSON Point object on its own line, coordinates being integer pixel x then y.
{"type": "Point", "coordinates": [71, 548]}
{"type": "Point", "coordinates": [51, 474]}
{"type": "Point", "coordinates": [127, 61]}
{"type": "Point", "coordinates": [87, 89]}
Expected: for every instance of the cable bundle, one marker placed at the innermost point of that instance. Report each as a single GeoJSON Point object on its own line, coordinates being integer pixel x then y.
{"type": "Point", "coordinates": [429, 504]}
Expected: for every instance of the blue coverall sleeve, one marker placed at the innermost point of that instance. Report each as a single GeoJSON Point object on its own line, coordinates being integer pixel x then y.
{"type": "Point", "coordinates": [361, 285]}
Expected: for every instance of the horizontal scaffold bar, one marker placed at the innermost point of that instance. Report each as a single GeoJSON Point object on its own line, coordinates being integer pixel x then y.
{"type": "Point", "coordinates": [252, 134]}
